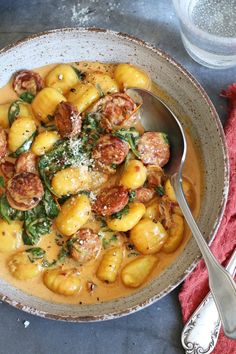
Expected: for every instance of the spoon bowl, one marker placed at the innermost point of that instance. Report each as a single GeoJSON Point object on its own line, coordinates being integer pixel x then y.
{"type": "Point", "coordinates": [156, 116]}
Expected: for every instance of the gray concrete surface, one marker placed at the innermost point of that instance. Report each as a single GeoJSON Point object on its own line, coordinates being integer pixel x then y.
{"type": "Point", "coordinates": [157, 329]}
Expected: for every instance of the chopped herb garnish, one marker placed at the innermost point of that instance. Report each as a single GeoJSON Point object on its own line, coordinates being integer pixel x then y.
{"type": "Point", "coordinates": [114, 166]}
{"type": "Point", "coordinates": [166, 139]}
{"type": "Point", "coordinates": [133, 254]}
{"type": "Point", "coordinates": [160, 190]}
{"type": "Point", "coordinates": [79, 73]}
{"type": "Point", "coordinates": [132, 196]}
{"type": "Point", "coordinates": [27, 97]}
{"type": "Point", "coordinates": [131, 136]}
{"type": "Point", "coordinates": [121, 213]}
{"type": "Point", "coordinates": [101, 93]}
{"type": "Point", "coordinates": [35, 253]}
{"type": "Point", "coordinates": [2, 182]}
{"type": "Point", "coordinates": [50, 117]}
{"type": "Point", "coordinates": [13, 111]}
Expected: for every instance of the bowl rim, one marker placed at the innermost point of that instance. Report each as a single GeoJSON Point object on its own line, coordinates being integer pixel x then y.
{"type": "Point", "coordinates": [211, 236]}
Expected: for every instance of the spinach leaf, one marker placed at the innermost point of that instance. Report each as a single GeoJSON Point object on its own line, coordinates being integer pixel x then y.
{"type": "Point", "coordinates": [160, 191]}
{"type": "Point", "coordinates": [36, 224]}
{"type": "Point", "coordinates": [27, 97]}
{"type": "Point", "coordinates": [35, 253]}
{"type": "Point", "coordinates": [132, 196]}
{"type": "Point", "coordinates": [13, 111]}
{"type": "Point", "coordinates": [25, 146]}
{"type": "Point", "coordinates": [101, 93]}
{"type": "Point", "coordinates": [121, 213]}
{"type": "Point", "coordinates": [91, 124]}
{"type": "Point", "coordinates": [2, 182]}
{"type": "Point", "coordinates": [107, 242]}
{"type": "Point", "coordinates": [7, 212]}
{"type": "Point", "coordinates": [79, 73]}
{"type": "Point", "coordinates": [166, 139]}
{"type": "Point", "coordinates": [131, 136]}
{"type": "Point", "coordinates": [50, 205]}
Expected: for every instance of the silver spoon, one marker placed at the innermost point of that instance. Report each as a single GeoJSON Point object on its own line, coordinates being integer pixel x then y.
{"type": "Point", "coordinates": [156, 116]}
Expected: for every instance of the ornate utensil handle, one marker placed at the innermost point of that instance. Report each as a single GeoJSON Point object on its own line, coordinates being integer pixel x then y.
{"type": "Point", "coordinates": [201, 332]}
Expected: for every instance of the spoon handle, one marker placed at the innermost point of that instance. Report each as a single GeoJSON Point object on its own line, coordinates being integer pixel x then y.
{"type": "Point", "coordinates": [200, 333]}
{"type": "Point", "coordinates": [221, 283]}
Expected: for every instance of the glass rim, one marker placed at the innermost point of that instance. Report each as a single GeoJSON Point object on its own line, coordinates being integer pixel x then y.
{"type": "Point", "coordinates": [207, 35]}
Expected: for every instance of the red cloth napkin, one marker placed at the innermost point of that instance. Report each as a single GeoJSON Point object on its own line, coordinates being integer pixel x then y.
{"type": "Point", "coordinates": [195, 287]}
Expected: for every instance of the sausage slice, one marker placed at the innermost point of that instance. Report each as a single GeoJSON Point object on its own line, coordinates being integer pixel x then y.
{"type": "Point", "coordinates": [67, 120]}
{"type": "Point", "coordinates": [3, 142]}
{"type": "Point", "coordinates": [85, 245]}
{"type": "Point", "coordinates": [115, 110]}
{"type": "Point", "coordinates": [154, 149]}
{"type": "Point", "coordinates": [144, 195]}
{"type": "Point", "coordinates": [111, 200]}
{"type": "Point", "coordinates": [109, 150]}
{"type": "Point", "coordinates": [24, 191]}
{"type": "Point", "coordinates": [26, 162]}
{"type": "Point", "coordinates": [27, 81]}
{"type": "Point", "coordinates": [8, 169]}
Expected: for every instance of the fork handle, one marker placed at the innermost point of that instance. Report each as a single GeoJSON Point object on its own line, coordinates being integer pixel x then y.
{"type": "Point", "coordinates": [200, 333]}
{"type": "Point", "coordinates": [221, 283]}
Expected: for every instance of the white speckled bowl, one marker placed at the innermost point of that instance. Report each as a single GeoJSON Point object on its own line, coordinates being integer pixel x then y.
{"type": "Point", "coordinates": [67, 45]}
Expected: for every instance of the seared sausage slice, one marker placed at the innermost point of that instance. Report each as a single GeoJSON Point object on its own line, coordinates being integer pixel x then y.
{"type": "Point", "coordinates": [109, 150]}
{"type": "Point", "coordinates": [85, 245]}
{"type": "Point", "coordinates": [155, 176]}
{"type": "Point", "coordinates": [8, 169]}
{"type": "Point", "coordinates": [26, 162]}
{"type": "Point", "coordinates": [24, 191]}
{"type": "Point", "coordinates": [67, 120]}
{"type": "Point", "coordinates": [144, 195]}
{"type": "Point", "coordinates": [3, 142]}
{"type": "Point", "coordinates": [111, 200]}
{"type": "Point", "coordinates": [27, 81]}
{"type": "Point", "coordinates": [154, 149]}
{"type": "Point", "coordinates": [115, 110]}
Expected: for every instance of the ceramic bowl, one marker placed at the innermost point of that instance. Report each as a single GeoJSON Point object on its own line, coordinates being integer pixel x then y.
{"type": "Point", "coordinates": [188, 100]}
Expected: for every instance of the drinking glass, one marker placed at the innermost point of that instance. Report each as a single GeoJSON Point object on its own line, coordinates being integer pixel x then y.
{"type": "Point", "coordinates": [208, 31]}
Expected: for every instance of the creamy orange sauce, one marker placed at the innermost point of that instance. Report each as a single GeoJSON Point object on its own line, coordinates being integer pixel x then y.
{"type": "Point", "coordinates": [103, 291]}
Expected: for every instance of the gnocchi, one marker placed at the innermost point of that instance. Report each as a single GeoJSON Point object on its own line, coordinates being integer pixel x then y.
{"type": "Point", "coordinates": [65, 282]}
{"type": "Point", "coordinates": [45, 103]}
{"type": "Point", "coordinates": [128, 75]}
{"type": "Point", "coordinates": [176, 234]}
{"type": "Point", "coordinates": [148, 236]}
{"type": "Point", "coordinates": [62, 78]}
{"type": "Point", "coordinates": [187, 188]}
{"type": "Point", "coordinates": [22, 268]}
{"type": "Point", "coordinates": [74, 213]}
{"type": "Point", "coordinates": [136, 272]}
{"type": "Point", "coordinates": [128, 221]}
{"type": "Point", "coordinates": [134, 174]}
{"type": "Point", "coordinates": [44, 142]}
{"type": "Point", "coordinates": [103, 82]}
{"type": "Point", "coordinates": [110, 264]}
{"type": "Point", "coordinates": [83, 95]}
{"type": "Point", "coordinates": [10, 235]}
{"type": "Point", "coordinates": [70, 180]}
{"type": "Point", "coordinates": [21, 130]}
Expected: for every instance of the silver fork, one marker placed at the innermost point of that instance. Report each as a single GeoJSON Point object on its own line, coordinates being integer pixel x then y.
{"type": "Point", "coordinates": [200, 334]}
